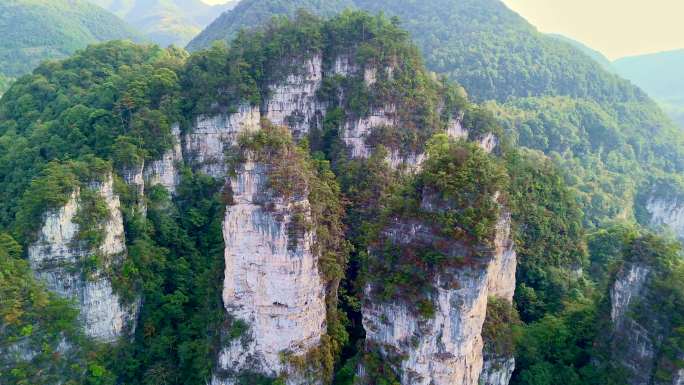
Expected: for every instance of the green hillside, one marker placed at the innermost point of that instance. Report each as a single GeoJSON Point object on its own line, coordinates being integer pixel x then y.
{"type": "Point", "coordinates": [35, 30]}
{"type": "Point", "coordinates": [166, 21]}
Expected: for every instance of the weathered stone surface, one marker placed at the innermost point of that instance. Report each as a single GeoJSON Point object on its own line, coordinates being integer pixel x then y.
{"type": "Point", "coordinates": [448, 348]}
{"type": "Point", "coordinates": [667, 213]}
{"type": "Point", "coordinates": [164, 171]}
{"type": "Point", "coordinates": [206, 143]}
{"type": "Point", "coordinates": [56, 259]}
{"type": "Point", "coordinates": [293, 102]}
{"type": "Point", "coordinates": [633, 344]}
{"type": "Point", "coordinates": [272, 286]}
{"type": "Point", "coordinates": [356, 132]}
{"type": "Point", "coordinates": [497, 371]}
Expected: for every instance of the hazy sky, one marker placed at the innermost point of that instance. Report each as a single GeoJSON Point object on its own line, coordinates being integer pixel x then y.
{"type": "Point", "coordinates": [617, 28]}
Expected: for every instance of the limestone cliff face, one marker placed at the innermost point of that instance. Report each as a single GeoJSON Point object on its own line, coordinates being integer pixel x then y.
{"type": "Point", "coordinates": [498, 369]}
{"type": "Point", "coordinates": [487, 141]}
{"type": "Point", "coordinates": [271, 283]}
{"type": "Point", "coordinates": [211, 136]}
{"type": "Point", "coordinates": [57, 259]}
{"type": "Point", "coordinates": [448, 348]}
{"type": "Point", "coordinates": [633, 345]}
{"type": "Point", "coordinates": [164, 171]}
{"type": "Point", "coordinates": [293, 102]}
{"type": "Point", "coordinates": [667, 213]}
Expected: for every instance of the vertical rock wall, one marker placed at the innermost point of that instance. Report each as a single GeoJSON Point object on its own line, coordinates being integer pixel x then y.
{"type": "Point", "coordinates": [271, 285]}
{"type": "Point", "coordinates": [293, 102]}
{"type": "Point", "coordinates": [448, 348]}
{"type": "Point", "coordinates": [57, 257]}
{"type": "Point", "coordinates": [211, 136]}
{"type": "Point", "coordinates": [633, 346]}
{"type": "Point", "coordinates": [164, 172]}
{"type": "Point", "coordinates": [667, 213]}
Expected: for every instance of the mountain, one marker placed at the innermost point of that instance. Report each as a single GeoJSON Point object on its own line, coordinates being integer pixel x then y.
{"type": "Point", "coordinates": [660, 75]}
{"type": "Point", "coordinates": [310, 205]}
{"type": "Point", "coordinates": [34, 31]}
{"type": "Point", "coordinates": [497, 55]}
{"type": "Point", "coordinates": [166, 21]}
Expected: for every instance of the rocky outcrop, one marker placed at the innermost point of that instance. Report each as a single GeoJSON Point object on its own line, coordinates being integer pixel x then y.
{"type": "Point", "coordinates": [272, 282]}
{"type": "Point", "coordinates": [667, 213]}
{"type": "Point", "coordinates": [498, 368]}
{"type": "Point", "coordinates": [633, 344]}
{"type": "Point", "coordinates": [58, 257]}
{"type": "Point", "coordinates": [164, 172]}
{"type": "Point", "coordinates": [211, 136]}
{"type": "Point", "coordinates": [626, 289]}
{"type": "Point", "coordinates": [446, 349]}
{"type": "Point", "coordinates": [293, 102]}
{"type": "Point", "coordinates": [357, 131]}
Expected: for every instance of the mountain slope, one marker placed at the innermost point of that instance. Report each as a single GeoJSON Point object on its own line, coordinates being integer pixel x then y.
{"type": "Point", "coordinates": [33, 31]}
{"type": "Point", "coordinates": [166, 21]}
{"type": "Point", "coordinates": [592, 53]}
{"type": "Point", "coordinates": [660, 74]}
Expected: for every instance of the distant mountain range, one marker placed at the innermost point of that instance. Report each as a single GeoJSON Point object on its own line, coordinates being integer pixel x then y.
{"type": "Point", "coordinates": [33, 31]}
{"type": "Point", "coordinates": [166, 21]}
{"type": "Point", "coordinates": [659, 74]}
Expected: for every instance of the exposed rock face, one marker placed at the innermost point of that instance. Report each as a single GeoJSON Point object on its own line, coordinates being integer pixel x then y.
{"type": "Point", "coordinates": [501, 270]}
{"type": "Point", "coordinates": [497, 371]}
{"type": "Point", "coordinates": [667, 212]}
{"type": "Point", "coordinates": [57, 258]}
{"type": "Point", "coordinates": [211, 136]}
{"type": "Point", "coordinates": [271, 284]}
{"type": "Point", "coordinates": [487, 142]}
{"type": "Point", "coordinates": [633, 345]}
{"type": "Point", "coordinates": [356, 132]}
{"type": "Point", "coordinates": [293, 102]}
{"type": "Point", "coordinates": [448, 348]}
{"type": "Point", "coordinates": [627, 288]}
{"type": "Point", "coordinates": [164, 171]}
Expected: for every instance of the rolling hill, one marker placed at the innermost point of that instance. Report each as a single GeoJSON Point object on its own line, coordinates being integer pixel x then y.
{"type": "Point", "coordinates": [33, 31]}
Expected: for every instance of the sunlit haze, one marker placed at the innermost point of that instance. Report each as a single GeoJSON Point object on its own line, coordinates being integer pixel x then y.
{"type": "Point", "coordinates": [616, 28]}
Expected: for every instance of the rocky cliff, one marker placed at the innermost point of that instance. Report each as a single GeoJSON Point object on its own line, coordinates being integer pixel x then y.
{"type": "Point", "coordinates": [446, 348]}
{"type": "Point", "coordinates": [272, 282]}
{"type": "Point", "coordinates": [645, 312]}
{"type": "Point", "coordinates": [634, 346]}
{"type": "Point", "coordinates": [64, 262]}
{"type": "Point", "coordinates": [667, 213]}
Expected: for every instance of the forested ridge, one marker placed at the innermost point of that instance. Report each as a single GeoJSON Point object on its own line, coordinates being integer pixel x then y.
{"type": "Point", "coordinates": [34, 31]}
{"type": "Point", "coordinates": [572, 159]}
